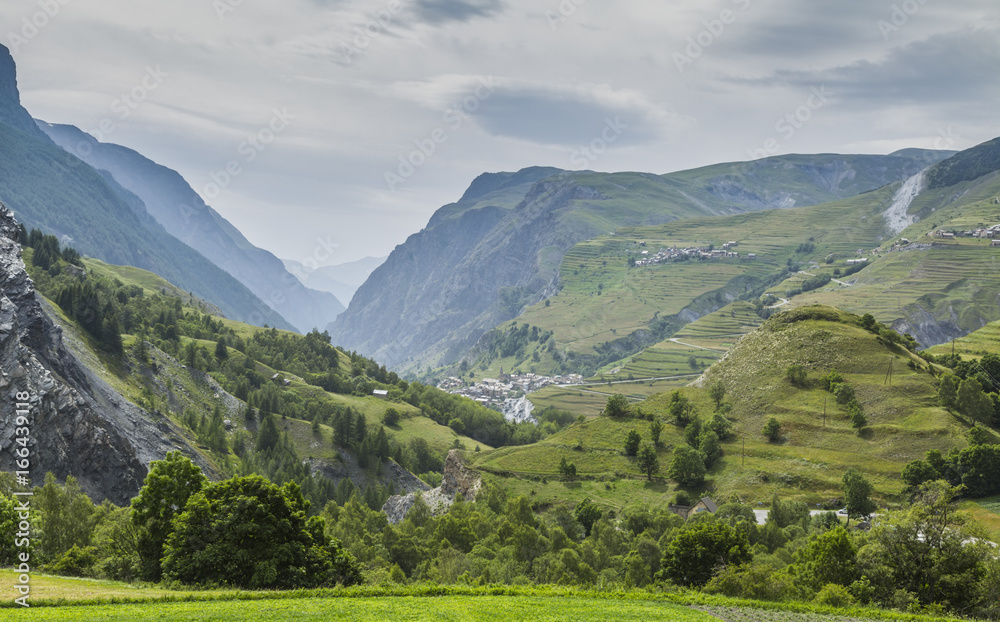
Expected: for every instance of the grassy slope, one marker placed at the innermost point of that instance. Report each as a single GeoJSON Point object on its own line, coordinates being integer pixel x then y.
{"type": "Point", "coordinates": [904, 422]}
{"type": "Point", "coordinates": [602, 299]}
{"type": "Point", "coordinates": [173, 388]}
{"type": "Point", "coordinates": [986, 340]}
{"type": "Point", "coordinates": [955, 279]}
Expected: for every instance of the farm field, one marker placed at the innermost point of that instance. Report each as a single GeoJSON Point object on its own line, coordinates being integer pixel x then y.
{"type": "Point", "coordinates": [416, 608]}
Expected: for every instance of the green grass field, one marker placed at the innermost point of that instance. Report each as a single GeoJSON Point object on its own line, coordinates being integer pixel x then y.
{"type": "Point", "coordinates": [485, 608]}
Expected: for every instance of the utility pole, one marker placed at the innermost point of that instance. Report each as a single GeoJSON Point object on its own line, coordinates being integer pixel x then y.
{"type": "Point", "coordinates": [744, 451]}
{"type": "Point", "coordinates": [888, 374]}
{"type": "Point", "coordinates": [824, 411]}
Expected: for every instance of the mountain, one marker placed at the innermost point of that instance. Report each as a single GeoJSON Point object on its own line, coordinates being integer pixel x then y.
{"type": "Point", "coordinates": [341, 280]}
{"type": "Point", "coordinates": [55, 191]}
{"type": "Point", "coordinates": [79, 424]}
{"type": "Point", "coordinates": [177, 208]}
{"type": "Point", "coordinates": [483, 259]}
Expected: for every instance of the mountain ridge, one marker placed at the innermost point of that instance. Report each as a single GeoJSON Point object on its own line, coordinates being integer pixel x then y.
{"type": "Point", "coordinates": [514, 250]}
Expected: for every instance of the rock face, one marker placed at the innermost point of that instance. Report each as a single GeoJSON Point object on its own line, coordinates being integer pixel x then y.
{"type": "Point", "coordinates": [77, 424]}
{"type": "Point", "coordinates": [458, 479]}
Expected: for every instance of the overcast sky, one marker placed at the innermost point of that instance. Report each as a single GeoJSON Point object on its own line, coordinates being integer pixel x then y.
{"type": "Point", "coordinates": [342, 95]}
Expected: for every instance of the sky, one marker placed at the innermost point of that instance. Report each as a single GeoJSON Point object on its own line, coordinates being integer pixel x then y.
{"type": "Point", "coordinates": [330, 130]}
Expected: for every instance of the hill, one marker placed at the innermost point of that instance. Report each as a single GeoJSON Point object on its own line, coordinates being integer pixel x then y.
{"type": "Point", "coordinates": [482, 260]}
{"type": "Point", "coordinates": [904, 421]}
{"type": "Point", "coordinates": [177, 208]}
{"type": "Point", "coordinates": [240, 398]}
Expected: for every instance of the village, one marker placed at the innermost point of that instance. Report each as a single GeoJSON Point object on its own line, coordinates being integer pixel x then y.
{"type": "Point", "coordinates": [493, 392]}
{"type": "Point", "coordinates": [685, 254]}
{"type": "Point", "coordinates": [985, 233]}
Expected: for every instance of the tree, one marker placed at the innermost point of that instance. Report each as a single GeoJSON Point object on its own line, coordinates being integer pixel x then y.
{"type": "Point", "coordinates": [221, 351]}
{"type": "Point", "coordinates": [973, 402]}
{"type": "Point", "coordinates": [772, 430]}
{"type": "Point", "coordinates": [948, 391]}
{"type": "Point", "coordinates": [617, 406]}
{"type": "Point", "coordinates": [587, 513]}
{"type": "Point", "coordinates": [687, 467]}
{"type": "Point", "coordinates": [829, 557]}
{"type": "Point", "coordinates": [649, 463]}
{"type": "Point", "coordinates": [856, 414]}
{"type": "Point", "coordinates": [917, 472]}
{"type": "Point", "coordinates": [868, 322]}
{"type": "Point", "coordinates": [701, 550]}
{"type": "Point", "coordinates": [719, 424]}
{"type": "Point", "coordinates": [390, 417]}
{"type": "Point", "coordinates": [249, 533]}
{"type": "Point", "coordinates": [67, 517]}
{"type": "Point", "coordinates": [655, 429]}
{"type": "Point", "coordinates": [709, 448]}
{"type": "Point", "coordinates": [632, 441]}
{"type": "Point", "coordinates": [567, 469]}
{"type": "Point", "coordinates": [930, 552]}
{"type": "Point", "coordinates": [168, 486]}
{"type": "Point", "coordinates": [857, 495]}
{"type": "Point", "coordinates": [718, 393]}
{"type": "Point", "coordinates": [680, 408]}
{"type": "Point", "coordinates": [796, 374]}
{"type": "Point", "coordinates": [831, 380]}
{"type": "Point", "coordinates": [268, 435]}
{"type": "Point", "coordinates": [843, 393]}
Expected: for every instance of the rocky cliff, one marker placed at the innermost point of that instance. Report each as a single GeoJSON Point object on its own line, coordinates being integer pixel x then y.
{"type": "Point", "coordinates": [457, 480]}
{"type": "Point", "coordinates": [77, 424]}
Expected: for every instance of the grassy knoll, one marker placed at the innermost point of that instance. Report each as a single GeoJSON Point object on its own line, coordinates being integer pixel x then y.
{"type": "Point", "coordinates": [808, 463]}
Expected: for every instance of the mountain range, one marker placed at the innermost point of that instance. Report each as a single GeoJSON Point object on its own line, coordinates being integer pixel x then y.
{"type": "Point", "coordinates": [114, 204]}
{"type": "Point", "coordinates": [483, 259]}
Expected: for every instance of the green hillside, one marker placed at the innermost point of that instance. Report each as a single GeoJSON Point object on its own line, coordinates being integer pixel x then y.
{"type": "Point", "coordinates": [608, 310]}
{"type": "Point", "coordinates": [250, 399]}
{"type": "Point", "coordinates": [904, 421]}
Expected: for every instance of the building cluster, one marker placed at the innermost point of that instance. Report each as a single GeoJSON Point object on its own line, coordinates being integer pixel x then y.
{"type": "Point", "coordinates": [646, 258]}
{"type": "Point", "coordinates": [985, 233]}
{"type": "Point", "coordinates": [495, 391]}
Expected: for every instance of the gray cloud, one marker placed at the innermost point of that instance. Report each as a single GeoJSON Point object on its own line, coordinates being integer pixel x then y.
{"type": "Point", "coordinates": [443, 11]}
{"type": "Point", "coordinates": [948, 67]}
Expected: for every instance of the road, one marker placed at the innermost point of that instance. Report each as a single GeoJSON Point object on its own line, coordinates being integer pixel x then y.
{"type": "Point", "coordinates": [762, 514]}
{"type": "Point", "coordinates": [691, 345]}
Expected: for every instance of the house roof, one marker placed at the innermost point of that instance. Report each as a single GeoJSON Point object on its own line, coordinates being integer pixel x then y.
{"type": "Point", "coordinates": [709, 504]}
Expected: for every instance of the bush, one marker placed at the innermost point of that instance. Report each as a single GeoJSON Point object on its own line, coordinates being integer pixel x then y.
{"type": "Point", "coordinates": [617, 406]}
{"type": "Point", "coordinates": [632, 442]}
{"type": "Point", "coordinates": [391, 417]}
{"type": "Point", "coordinates": [76, 562]}
{"type": "Point", "coordinates": [796, 374]}
{"type": "Point", "coordinates": [772, 430]}
{"type": "Point", "coordinates": [844, 393]}
{"type": "Point", "coordinates": [833, 595]}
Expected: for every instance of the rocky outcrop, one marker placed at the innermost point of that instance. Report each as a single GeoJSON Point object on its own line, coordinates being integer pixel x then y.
{"type": "Point", "coordinates": [393, 476]}
{"type": "Point", "coordinates": [77, 424]}
{"type": "Point", "coordinates": [457, 479]}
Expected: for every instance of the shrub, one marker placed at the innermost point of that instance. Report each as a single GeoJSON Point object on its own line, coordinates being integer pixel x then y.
{"type": "Point", "coordinates": [772, 429]}
{"type": "Point", "coordinates": [833, 595]}
{"type": "Point", "coordinates": [796, 374]}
